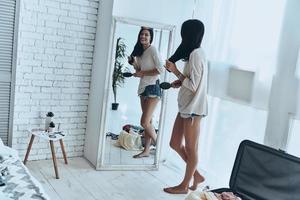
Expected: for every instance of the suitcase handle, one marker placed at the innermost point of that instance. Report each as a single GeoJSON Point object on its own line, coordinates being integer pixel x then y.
{"type": "Point", "coordinates": [281, 150]}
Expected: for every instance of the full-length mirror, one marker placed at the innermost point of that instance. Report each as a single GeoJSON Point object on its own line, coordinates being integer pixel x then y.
{"type": "Point", "coordinates": [135, 102]}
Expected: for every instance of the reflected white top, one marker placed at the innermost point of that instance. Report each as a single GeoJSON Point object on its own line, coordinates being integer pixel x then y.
{"type": "Point", "coordinates": [192, 96]}
{"type": "Point", "coordinates": [149, 60]}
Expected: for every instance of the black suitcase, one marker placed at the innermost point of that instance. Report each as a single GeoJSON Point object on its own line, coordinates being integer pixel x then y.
{"type": "Point", "coordinates": [264, 173]}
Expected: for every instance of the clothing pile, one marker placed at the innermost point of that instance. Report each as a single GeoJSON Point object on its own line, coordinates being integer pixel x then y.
{"type": "Point", "coordinates": [139, 130]}
{"type": "Point", "coordinates": [129, 140]}
{"type": "Point", "coordinates": [207, 195]}
{"type": "Point", "coordinates": [227, 196]}
{"type": "Point", "coordinates": [135, 128]}
{"type": "Point", "coordinates": [3, 170]}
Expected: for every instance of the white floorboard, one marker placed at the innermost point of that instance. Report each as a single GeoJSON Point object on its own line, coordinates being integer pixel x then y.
{"type": "Point", "coordinates": [115, 155]}
{"type": "Point", "coordinates": [79, 180]}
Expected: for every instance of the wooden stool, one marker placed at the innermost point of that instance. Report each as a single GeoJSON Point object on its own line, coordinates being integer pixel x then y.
{"type": "Point", "coordinates": [54, 136]}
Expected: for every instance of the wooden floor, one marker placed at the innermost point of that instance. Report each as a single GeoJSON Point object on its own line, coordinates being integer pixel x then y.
{"type": "Point", "coordinates": [79, 180]}
{"type": "Point", "coordinates": [115, 155]}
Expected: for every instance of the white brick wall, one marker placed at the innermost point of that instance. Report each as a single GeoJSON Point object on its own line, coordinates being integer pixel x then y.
{"type": "Point", "coordinates": [55, 48]}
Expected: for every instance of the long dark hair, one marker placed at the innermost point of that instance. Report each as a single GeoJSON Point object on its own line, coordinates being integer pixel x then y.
{"type": "Point", "coordinates": [192, 32]}
{"type": "Point", "coordinates": [138, 49]}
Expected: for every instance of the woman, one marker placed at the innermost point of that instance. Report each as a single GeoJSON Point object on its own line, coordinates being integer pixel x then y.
{"type": "Point", "coordinates": [192, 101]}
{"type": "Point", "coordinates": [148, 65]}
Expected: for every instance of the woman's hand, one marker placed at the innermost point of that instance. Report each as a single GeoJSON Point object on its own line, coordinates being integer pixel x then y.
{"type": "Point", "coordinates": [176, 84]}
{"type": "Point", "coordinates": [138, 74]}
{"type": "Point", "coordinates": [132, 61]}
{"type": "Point", "coordinates": [171, 66]}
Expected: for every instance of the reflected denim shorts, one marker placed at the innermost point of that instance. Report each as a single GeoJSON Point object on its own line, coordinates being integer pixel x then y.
{"type": "Point", "coordinates": [152, 91]}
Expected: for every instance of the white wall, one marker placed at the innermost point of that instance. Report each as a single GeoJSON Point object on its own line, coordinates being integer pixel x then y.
{"type": "Point", "coordinates": [164, 11]}
{"type": "Point", "coordinates": [283, 100]}
{"type": "Point", "coordinates": [55, 54]}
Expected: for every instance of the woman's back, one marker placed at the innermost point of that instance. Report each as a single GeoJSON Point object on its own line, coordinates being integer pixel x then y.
{"type": "Point", "coordinates": [192, 96]}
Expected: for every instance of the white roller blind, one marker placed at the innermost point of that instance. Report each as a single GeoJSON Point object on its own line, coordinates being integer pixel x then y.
{"type": "Point", "coordinates": [7, 22]}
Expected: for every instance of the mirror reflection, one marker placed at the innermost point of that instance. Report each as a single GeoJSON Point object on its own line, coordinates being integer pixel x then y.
{"type": "Point", "coordinates": [133, 120]}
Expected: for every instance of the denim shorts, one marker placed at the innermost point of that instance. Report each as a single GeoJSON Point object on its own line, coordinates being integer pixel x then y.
{"type": "Point", "coordinates": [188, 115]}
{"type": "Point", "coordinates": [152, 91]}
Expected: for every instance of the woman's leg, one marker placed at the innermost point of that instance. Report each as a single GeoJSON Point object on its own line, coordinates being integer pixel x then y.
{"type": "Point", "coordinates": [148, 107]}
{"type": "Point", "coordinates": [183, 127]}
{"type": "Point", "coordinates": [176, 143]}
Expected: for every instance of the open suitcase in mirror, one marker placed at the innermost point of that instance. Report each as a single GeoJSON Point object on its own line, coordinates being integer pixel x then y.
{"type": "Point", "coordinates": [264, 173]}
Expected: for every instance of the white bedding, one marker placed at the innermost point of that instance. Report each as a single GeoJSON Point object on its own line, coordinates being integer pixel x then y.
{"type": "Point", "coordinates": [20, 184]}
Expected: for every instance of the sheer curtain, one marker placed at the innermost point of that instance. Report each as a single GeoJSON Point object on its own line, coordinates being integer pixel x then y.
{"type": "Point", "coordinates": [217, 15]}
{"type": "Point", "coordinates": [243, 32]}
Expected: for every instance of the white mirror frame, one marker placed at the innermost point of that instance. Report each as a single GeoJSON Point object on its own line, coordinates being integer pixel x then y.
{"type": "Point", "coordinates": [103, 122]}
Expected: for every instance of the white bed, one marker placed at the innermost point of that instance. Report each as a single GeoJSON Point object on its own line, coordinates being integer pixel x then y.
{"type": "Point", "coordinates": [19, 183]}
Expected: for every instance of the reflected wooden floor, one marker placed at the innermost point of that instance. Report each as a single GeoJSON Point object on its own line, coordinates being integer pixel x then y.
{"type": "Point", "coordinates": [118, 156]}
{"type": "Point", "coordinates": [79, 180]}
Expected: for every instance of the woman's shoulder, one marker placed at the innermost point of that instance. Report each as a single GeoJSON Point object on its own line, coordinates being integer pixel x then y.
{"type": "Point", "coordinates": [152, 47]}
{"type": "Point", "coordinates": [152, 50]}
{"type": "Point", "coordinates": [198, 51]}
{"type": "Point", "coordinates": [197, 54]}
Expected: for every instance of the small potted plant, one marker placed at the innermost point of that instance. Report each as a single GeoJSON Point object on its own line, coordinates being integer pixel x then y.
{"type": "Point", "coordinates": [51, 127]}
{"type": "Point", "coordinates": [117, 77]}
{"type": "Point", "coordinates": [49, 116]}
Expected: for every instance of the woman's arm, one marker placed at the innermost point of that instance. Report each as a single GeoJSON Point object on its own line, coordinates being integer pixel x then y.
{"type": "Point", "coordinates": [173, 68]}
{"type": "Point", "coordinates": [176, 84]}
{"type": "Point", "coordinates": [157, 60]}
{"type": "Point", "coordinates": [132, 61]}
{"type": "Point", "coordinates": [136, 67]}
{"type": "Point", "coordinates": [196, 70]}
{"type": "Point", "coordinates": [192, 82]}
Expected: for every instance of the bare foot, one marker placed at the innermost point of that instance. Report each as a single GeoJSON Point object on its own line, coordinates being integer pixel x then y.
{"type": "Point", "coordinates": [176, 190]}
{"type": "Point", "coordinates": [198, 178]}
{"type": "Point", "coordinates": [141, 155]}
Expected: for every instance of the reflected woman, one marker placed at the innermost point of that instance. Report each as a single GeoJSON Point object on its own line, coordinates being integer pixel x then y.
{"type": "Point", "coordinates": [148, 65]}
{"type": "Point", "coordinates": [192, 102]}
